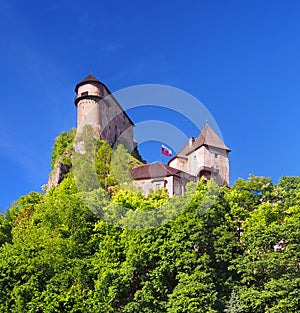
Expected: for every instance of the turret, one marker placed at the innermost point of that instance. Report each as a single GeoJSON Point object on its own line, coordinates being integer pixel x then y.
{"type": "Point", "coordinates": [97, 107]}
{"type": "Point", "coordinates": [89, 92]}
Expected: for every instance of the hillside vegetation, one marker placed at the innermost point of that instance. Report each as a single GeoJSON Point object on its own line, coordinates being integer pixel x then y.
{"type": "Point", "coordinates": [226, 250]}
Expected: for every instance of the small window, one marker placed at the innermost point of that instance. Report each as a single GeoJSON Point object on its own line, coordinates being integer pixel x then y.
{"type": "Point", "coordinates": [116, 132]}
{"type": "Point", "coordinates": [216, 155]}
{"type": "Point", "coordinates": [84, 93]}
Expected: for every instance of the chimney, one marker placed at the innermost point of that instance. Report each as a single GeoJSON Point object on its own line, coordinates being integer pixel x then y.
{"type": "Point", "coordinates": [191, 141]}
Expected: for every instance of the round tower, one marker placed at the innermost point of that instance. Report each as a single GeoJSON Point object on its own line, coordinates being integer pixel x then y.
{"type": "Point", "coordinates": [89, 92]}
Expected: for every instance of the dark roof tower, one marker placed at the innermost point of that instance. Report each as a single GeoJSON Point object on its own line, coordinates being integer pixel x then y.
{"type": "Point", "coordinates": [207, 137]}
{"type": "Point", "coordinates": [89, 79]}
{"type": "Point", "coordinates": [90, 88]}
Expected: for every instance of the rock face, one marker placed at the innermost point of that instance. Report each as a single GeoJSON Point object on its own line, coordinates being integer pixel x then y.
{"type": "Point", "coordinates": [59, 172]}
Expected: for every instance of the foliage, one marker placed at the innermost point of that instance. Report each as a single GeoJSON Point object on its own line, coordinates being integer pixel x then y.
{"type": "Point", "coordinates": [213, 250]}
{"type": "Point", "coordinates": [233, 304]}
{"type": "Point", "coordinates": [96, 165]}
{"type": "Point", "coordinates": [62, 147]}
{"type": "Point", "coordinates": [136, 154]}
{"type": "Point", "coordinates": [103, 164]}
{"type": "Point", "coordinates": [121, 166]}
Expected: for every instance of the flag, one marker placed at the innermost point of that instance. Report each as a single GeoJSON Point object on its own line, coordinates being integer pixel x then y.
{"type": "Point", "coordinates": [166, 151]}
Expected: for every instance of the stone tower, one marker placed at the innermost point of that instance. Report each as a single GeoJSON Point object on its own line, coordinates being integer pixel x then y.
{"type": "Point", "coordinates": [97, 107]}
{"type": "Point", "coordinates": [205, 156]}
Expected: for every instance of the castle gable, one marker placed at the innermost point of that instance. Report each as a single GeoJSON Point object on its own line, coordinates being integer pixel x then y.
{"type": "Point", "coordinates": [208, 137]}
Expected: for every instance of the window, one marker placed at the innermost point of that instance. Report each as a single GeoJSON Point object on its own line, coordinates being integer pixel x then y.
{"type": "Point", "coordinates": [216, 155]}
{"type": "Point", "coordinates": [84, 93]}
{"type": "Point", "coordinates": [116, 132]}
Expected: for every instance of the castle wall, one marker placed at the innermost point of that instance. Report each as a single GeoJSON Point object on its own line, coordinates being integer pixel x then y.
{"type": "Point", "coordinates": [218, 159]}
{"type": "Point", "coordinates": [156, 183]}
{"type": "Point", "coordinates": [195, 160]}
{"type": "Point", "coordinates": [115, 125]}
{"type": "Point", "coordinates": [88, 113]}
{"type": "Point", "coordinates": [179, 163]}
{"type": "Point", "coordinates": [173, 184]}
{"type": "Point", "coordinates": [179, 186]}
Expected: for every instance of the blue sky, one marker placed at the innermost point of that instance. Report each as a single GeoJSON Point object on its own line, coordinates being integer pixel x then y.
{"type": "Point", "coordinates": [241, 59]}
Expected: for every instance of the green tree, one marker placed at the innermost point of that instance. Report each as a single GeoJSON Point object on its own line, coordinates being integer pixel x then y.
{"type": "Point", "coordinates": [194, 293]}
{"type": "Point", "coordinates": [103, 164]}
{"type": "Point", "coordinates": [84, 251]}
{"type": "Point", "coordinates": [233, 305]}
{"type": "Point", "coordinates": [270, 250]}
{"type": "Point", "coordinates": [121, 164]}
{"type": "Point", "coordinates": [62, 147]}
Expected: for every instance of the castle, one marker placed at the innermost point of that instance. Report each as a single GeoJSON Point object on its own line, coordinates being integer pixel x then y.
{"type": "Point", "coordinates": [97, 107]}
{"type": "Point", "coordinates": [205, 156]}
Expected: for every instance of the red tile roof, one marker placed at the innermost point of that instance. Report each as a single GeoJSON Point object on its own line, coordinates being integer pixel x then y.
{"type": "Point", "coordinates": [154, 170]}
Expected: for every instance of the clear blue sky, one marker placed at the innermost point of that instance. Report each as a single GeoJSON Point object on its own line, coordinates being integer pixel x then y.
{"type": "Point", "coordinates": [241, 59]}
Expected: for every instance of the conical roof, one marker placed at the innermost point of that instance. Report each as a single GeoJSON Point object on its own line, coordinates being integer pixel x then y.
{"type": "Point", "coordinates": [89, 79]}
{"type": "Point", "coordinates": [207, 137]}
{"type": "Point", "coordinates": [104, 90]}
